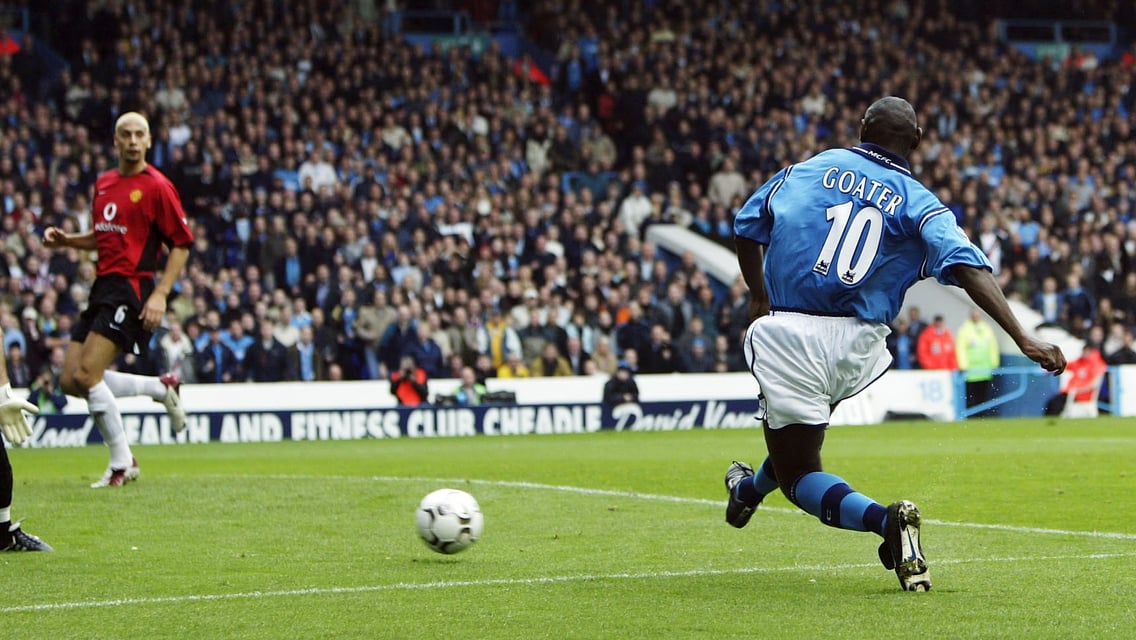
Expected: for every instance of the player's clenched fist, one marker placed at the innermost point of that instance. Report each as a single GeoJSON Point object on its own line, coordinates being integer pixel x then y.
{"type": "Point", "coordinates": [54, 237]}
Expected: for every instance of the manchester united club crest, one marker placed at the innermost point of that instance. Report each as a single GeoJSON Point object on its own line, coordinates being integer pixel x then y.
{"type": "Point", "coordinates": [136, 195]}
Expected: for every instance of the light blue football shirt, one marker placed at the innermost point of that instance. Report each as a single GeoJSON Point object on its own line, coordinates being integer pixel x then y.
{"type": "Point", "coordinates": [848, 231]}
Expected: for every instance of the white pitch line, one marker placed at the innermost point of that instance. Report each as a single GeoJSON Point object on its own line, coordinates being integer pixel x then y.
{"type": "Point", "coordinates": [1109, 535]}
{"type": "Point", "coordinates": [508, 582]}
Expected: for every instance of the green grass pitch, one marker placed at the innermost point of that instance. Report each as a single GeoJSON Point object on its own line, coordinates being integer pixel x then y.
{"type": "Point", "coordinates": [1030, 531]}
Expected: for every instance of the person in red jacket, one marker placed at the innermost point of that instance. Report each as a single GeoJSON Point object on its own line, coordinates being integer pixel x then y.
{"type": "Point", "coordinates": [936, 347]}
{"type": "Point", "coordinates": [1084, 378]}
{"type": "Point", "coordinates": [408, 384]}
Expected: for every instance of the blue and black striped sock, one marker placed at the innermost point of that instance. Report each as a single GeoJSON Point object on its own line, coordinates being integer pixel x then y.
{"type": "Point", "coordinates": [834, 503]}
{"type": "Point", "coordinates": [753, 489]}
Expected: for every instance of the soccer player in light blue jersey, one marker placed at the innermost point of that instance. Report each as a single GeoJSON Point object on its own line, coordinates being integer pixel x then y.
{"type": "Point", "coordinates": [828, 248]}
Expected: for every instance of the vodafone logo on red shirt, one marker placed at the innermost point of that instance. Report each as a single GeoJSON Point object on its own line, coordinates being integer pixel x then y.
{"type": "Point", "coordinates": [109, 213]}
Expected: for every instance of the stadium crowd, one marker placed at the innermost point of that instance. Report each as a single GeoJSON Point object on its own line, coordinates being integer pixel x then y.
{"type": "Point", "coordinates": [356, 199]}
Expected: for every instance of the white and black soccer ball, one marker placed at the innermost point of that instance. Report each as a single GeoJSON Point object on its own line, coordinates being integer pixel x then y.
{"type": "Point", "coordinates": [449, 520]}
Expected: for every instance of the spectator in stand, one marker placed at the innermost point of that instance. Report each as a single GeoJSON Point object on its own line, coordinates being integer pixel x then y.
{"type": "Point", "coordinates": [305, 363]}
{"type": "Point", "coordinates": [733, 313]}
{"type": "Point", "coordinates": [470, 391]}
{"type": "Point", "coordinates": [578, 359]}
{"type": "Point", "coordinates": [398, 337]}
{"type": "Point", "coordinates": [439, 335]}
{"type": "Point", "coordinates": [238, 342]}
{"type": "Point", "coordinates": [289, 269]}
{"type": "Point", "coordinates": [700, 358]}
{"type": "Point", "coordinates": [317, 174]}
{"type": "Point", "coordinates": [216, 362]}
{"type": "Point", "coordinates": [550, 363]}
{"type": "Point", "coordinates": [978, 355]}
{"type": "Point", "coordinates": [1047, 302]}
{"type": "Point", "coordinates": [694, 331]}
{"type": "Point", "coordinates": [513, 367]}
{"type": "Point", "coordinates": [579, 328]}
{"type": "Point", "coordinates": [674, 312]}
{"type": "Point", "coordinates": [326, 339]}
{"type": "Point", "coordinates": [727, 185]}
{"type": "Point", "coordinates": [267, 359]}
{"type": "Point", "coordinates": [286, 332]}
{"type": "Point", "coordinates": [901, 345]}
{"type": "Point", "coordinates": [631, 360]}
{"type": "Point", "coordinates": [936, 347]}
{"type": "Point", "coordinates": [916, 324]}
{"type": "Point", "coordinates": [661, 356]}
{"type": "Point", "coordinates": [463, 335]}
{"type": "Point", "coordinates": [370, 325]}
{"type": "Point", "coordinates": [178, 351]}
{"type": "Point", "coordinates": [34, 338]}
{"type": "Point", "coordinates": [727, 357]}
{"type": "Point", "coordinates": [533, 335]}
{"type": "Point", "coordinates": [498, 339]}
{"type": "Point", "coordinates": [19, 373]}
{"type": "Point", "coordinates": [320, 293]}
{"type": "Point", "coordinates": [483, 368]}
{"type": "Point", "coordinates": [1125, 353]}
{"type": "Point", "coordinates": [635, 208]}
{"type": "Point", "coordinates": [409, 383]}
{"type": "Point", "coordinates": [621, 388]}
{"type": "Point", "coordinates": [1078, 307]}
{"type": "Point", "coordinates": [425, 351]}
{"type": "Point", "coordinates": [347, 349]}
{"type": "Point", "coordinates": [603, 357]}
{"type": "Point", "coordinates": [635, 333]}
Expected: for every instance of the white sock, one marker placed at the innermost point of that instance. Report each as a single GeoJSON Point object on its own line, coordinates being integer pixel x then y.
{"type": "Point", "coordinates": [5, 515]}
{"type": "Point", "coordinates": [108, 419]}
{"type": "Point", "coordinates": [123, 385]}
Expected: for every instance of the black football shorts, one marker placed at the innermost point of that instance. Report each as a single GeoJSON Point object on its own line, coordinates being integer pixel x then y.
{"type": "Point", "coordinates": [112, 312]}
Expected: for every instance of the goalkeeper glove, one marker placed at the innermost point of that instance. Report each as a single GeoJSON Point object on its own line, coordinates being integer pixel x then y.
{"type": "Point", "coordinates": [13, 422]}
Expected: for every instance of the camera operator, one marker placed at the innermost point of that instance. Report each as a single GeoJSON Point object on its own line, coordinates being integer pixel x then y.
{"type": "Point", "coordinates": [408, 384]}
{"type": "Point", "coordinates": [45, 393]}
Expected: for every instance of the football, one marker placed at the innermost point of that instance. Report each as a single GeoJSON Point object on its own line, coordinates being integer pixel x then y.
{"type": "Point", "coordinates": [449, 520]}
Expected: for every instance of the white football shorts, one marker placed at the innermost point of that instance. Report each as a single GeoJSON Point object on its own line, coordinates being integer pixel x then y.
{"type": "Point", "coordinates": [805, 364]}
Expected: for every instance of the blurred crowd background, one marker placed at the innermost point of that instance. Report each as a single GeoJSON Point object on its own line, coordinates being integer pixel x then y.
{"type": "Point", "coordinates": [357, 198]}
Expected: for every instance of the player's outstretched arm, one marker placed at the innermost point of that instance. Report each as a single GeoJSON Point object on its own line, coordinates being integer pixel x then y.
{"type": "Point", "coordinates": [56, 238]}
{"type": "Point", "coordinates": [751, 259]}
{"type": "Point", "coordinates": [981, 286]}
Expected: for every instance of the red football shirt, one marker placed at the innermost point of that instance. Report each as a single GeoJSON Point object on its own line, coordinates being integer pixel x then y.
{"type": "Point", "coordinates": [133, 217]}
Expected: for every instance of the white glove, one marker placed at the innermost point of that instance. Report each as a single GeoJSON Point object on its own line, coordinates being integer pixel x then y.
{"type": "Point", "coordinates": [13, 422]}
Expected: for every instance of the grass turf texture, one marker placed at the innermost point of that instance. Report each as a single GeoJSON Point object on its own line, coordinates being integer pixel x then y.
{"type": "Point", "coordinates": [608, 535]}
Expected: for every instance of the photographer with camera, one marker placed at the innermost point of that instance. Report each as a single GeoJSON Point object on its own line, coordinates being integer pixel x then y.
{"type": "Point", "coordinates": [45, 394]}
{"type": "Point", "coordinates": [408, 384]}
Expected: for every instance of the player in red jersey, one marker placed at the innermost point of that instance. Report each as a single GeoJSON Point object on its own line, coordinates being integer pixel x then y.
{"type": "Point", "coordinates": [135, 211]}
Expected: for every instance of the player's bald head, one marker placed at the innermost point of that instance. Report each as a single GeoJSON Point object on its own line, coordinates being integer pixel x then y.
{"type": "Point", "coordinates": [132, 118]}
{"type": "Point", "coordinates": [890, 122]}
